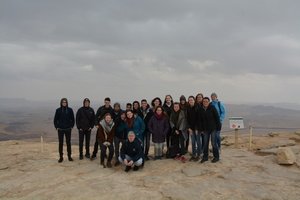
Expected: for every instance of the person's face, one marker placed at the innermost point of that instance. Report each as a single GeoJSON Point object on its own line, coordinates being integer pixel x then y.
{"type": "Point", "coordinates": [176, 107]}
{"type": "Point", "coordinates": [156, 103]}
{"type": "Point", "coordinates": [213, 97]}
{"type": "Point", "coordinates": [128, 107]}
{"type": "Point", "coordinates": [159, 111]}
{"type": "Point", "coordinates": [123, 116]}
{"type": "Point", "coordinates": [135, 106]}
{"type": "Point", "coordinates": [107, 118]}
{"type": "Point", "coordinates": [107, 104]}
{"type": "Point", "coordinates": [64, 103]}
{"type": "Point", "coordinates": [205, 103]}
{"type": "Point", "coordinates": [131, 137]}
{"type": "Point", "coordinates": [168, 99]}
{"type": "Point", "coordinates": [117, 108]}
{"type": "Point", "coordinates": [86, 104]}
{"type": "Point", "coordinates": [144, 105]}
{"type": "Point", "coordinates": [191, 101]}
{"type": "Point", "coordinates": [199, 99]}
{"type": "Point", "coordinates": [182, 101]}
{"type": "Point", "coordinates": [129, 115]}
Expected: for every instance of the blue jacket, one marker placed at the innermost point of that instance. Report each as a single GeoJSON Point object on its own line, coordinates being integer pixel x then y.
{"type": "Point", "coordinates": [220, 108]}
{"type": "Point", "coordinates": [138, 127]}
{"type": "Point", "coordinates": [64, 118]}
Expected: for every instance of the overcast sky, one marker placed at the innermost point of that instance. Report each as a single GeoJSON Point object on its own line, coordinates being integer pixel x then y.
{"type": "Point", "coordinates": [245, 51]}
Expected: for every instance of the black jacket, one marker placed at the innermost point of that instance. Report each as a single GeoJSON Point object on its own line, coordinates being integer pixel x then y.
{"type": "Point", "coordinates": [168, 110]}
{"type": "Point", "coordinates": [149, 113]}
{"type": "Point", "coordinates": [191, 116]}
{"type": "Point", "coordinates": [210, 118]}
{"type": "Point", "coordinates": [101, 112]}
{"type": "Point", "coordinates": [85, 118]}
{"type": "Point", "coordinates": [132, 149]}
{"type": "Point", "coordinates": [64, 118]}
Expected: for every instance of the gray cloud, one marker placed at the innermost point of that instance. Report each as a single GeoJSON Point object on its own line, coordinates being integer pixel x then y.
{"type": "Point", "coordinates": [149, 48]}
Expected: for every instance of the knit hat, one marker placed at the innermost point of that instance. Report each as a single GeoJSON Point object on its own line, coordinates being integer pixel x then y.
{"type": "Point", "coordinates": [214, 94]}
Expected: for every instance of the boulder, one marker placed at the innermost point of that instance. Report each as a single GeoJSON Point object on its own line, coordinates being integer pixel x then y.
{"type": "Point", "coordinates": [273, 134]}
{"type": "Point", "coordinates": [285, 156]}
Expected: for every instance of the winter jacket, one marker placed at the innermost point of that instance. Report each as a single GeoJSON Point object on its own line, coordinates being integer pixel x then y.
{"type": "Point", "coordinates": [104, 136]}
{"type": "Point", "coordinates": [220, 108]}
{"type": "Point", "coordinates": [120, 131]}
{"type": "Point", "coordinates": [138, 127]}
{"type": "Point", "coordinates": [101, 112]}
{"type": "Point", "coordinates": [211, 120]}
{"type": "Point", "coordinates": [132, 149]}
{"type": "Point", "coordinates": [179, 124]}
{"type": "Point", "coordinates": [146, 116]}
{"type": "Point", "coordinates": [168, 109]}
{"type": "Point", "coordinates": [158, 128]}
{"type": "Point", "coordinates": [64, 118]}
{"type": "Point", "coordinates": [85, 118]}
{"type": "Point", "coordinates": [191, 117]}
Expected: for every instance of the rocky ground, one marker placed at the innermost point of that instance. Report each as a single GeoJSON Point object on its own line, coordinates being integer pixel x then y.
{"type": "Point", "coordinates": [30, 171]}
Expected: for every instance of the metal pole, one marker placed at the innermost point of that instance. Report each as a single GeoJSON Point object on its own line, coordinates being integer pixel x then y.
{"type": "Point", "coordinates": [236, 137]}
{"type": "Point", "coordinates": [250, 138]}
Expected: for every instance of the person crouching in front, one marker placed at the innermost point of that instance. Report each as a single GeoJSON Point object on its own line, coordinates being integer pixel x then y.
{"type": "Point", "coordinates": [105, 136]}
{"type": "Point", "coordinates": [131, 154]}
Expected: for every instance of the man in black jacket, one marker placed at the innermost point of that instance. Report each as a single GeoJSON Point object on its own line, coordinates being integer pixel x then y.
{"type": "Point", "coordinates": [106, 108]}
{"type": "Point", "coordinates": [64, 122]}
{"type": "Point", "coordinates": [85, 120]}
{"type": "Point", "coordinates": [211, 123]}
{"type": "Point", "coordinates": [131, 154]}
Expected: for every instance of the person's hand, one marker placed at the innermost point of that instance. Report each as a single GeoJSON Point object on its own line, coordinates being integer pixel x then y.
{"type": "Point", "coordinates": [177, 132]}
{"type": "Point", "coordinates": [190, 131]}
{"type": "Point", "coordinates": [130, 163]}
{"type": "Point", "coordinates": [126, 162]}
{"type": "Point", "coordinates": [97, 126]}
{"type": "Point", "coordinates": [80, 129]}
{"type": "Point", "coordinates": [90, 129]}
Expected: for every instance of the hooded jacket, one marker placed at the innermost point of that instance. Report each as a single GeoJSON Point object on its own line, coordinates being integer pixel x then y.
{"type": "Point", "coordinates": [101, 112]}
{"type": "Point", "coordinates": [64, 117]}
{"type": "Point", "coordinates": [178, 121]}
{"type": "Point", "coordinates": [132, 149]}
{"type": "Point", "coordinates": [210, 118]}
{"type": "Point", "coordinates": [85, 117]}
{"type": "Point", "coordinates": [146, 116]}
{"type": "Point", "coordinates": [106, 132]}
{"type": "Point", "coordinates": [138, 127]}
{"type": "Point", "coordinates": [159, 127]}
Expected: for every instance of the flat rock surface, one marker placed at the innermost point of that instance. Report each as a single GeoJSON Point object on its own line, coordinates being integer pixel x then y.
{"type": "Point", "coordinates": [28, 173]}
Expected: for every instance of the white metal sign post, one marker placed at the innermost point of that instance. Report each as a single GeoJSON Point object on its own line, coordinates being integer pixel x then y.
{"type": "Point", "coordinates": [236, 123]}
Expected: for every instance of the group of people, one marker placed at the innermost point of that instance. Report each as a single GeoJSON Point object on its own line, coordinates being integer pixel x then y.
{"type": "Point", "coordinates": [126, 134]}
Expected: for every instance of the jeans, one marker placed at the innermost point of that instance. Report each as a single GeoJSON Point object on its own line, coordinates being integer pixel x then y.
{"type": "Point", "coordinates": [61, 134]}
{"type": "Point", "coordinates": [158, 149]}
{"type": "Point", "coordinates": [87, 135]}
{"type": "Point", "coordinates": [178, 140]}
{"type": "Point", "coordinates": [210, 135]}
{"type": "Point", "coordinates": [95, 147]}
{"type": "Point", "coordinates": [196, 144]}
{"type": "Point", "coordinates": [103, 152]}
{"type": "Point", "coordinates": [147, 136]}
{"type": "Point", "coordinates": [218, 139]}
{"type": "Point", "coordinates": [117, 142]}
{"type": "Point", "coordinates": [139, 162]}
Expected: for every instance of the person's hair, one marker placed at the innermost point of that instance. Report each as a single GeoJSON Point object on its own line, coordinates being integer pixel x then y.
{"type": "Point", "coordinates": [107, 99]}
{"type": "Point", "coordinates": [117, 104]}
{"type": "Point", "coordinates": [128, 104]}
{"type": "Point", "coordinates": [130, 133]}
{"type": "Point", "coordinates": [128, 112]}
{"type": "Point", "coordinates": [156, 98]}
{"type": "Point", "coordinates": [160, 108]}
{"type": "Point", "coordinates": [206, 98]}
{"type": "Point", "coordinates": [191, 97]}
{"type": "Point", "coordinates": [176, 103]}
{"type": "Point", "coordinates": [168, 95]}
{"type": "Point", "coordinates": [199, 94]}
{"type": "Point", "coordinates": [143, 100]}
{"type": "Point", "coordinates": [135, 103]}
{"type": "Point", "coordinates": [107, 115]}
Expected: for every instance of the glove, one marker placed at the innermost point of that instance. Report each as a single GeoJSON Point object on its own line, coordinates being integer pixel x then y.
{"type": "Point", "coordinates": [106, 143]}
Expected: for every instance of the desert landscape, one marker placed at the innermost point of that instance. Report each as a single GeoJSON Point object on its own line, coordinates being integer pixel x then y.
{"type": "Point", "coordinates": [29, 169]}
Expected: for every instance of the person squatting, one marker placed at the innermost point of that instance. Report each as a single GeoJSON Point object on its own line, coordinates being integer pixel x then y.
{"type": "Point", "coordinates": [125, 134]}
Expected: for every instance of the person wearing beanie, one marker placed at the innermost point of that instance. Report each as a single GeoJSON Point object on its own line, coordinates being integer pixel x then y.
{"type": "Point", "coordinates": [159, 127]}
{"type": "Point", "coordinates": [64, 122]}
{"type": "Point", "coordinates": [222, 113]}
{"type": "Point", "coordinates": [105, 136]}
{"type": "Point", "coordinates": [85, 119]}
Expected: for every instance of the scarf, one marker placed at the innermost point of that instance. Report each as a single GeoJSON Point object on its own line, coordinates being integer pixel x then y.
{"type": "Point", "coordinates": [107, 127]}
{"type": "Point", "coordinates": [130, 122]}
{"type": "Point", "coordinates": [159, 117]}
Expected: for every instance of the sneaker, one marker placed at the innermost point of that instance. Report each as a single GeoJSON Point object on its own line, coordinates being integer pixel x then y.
{"type": "Point", "coordinates": [60, 159]}
{"type": "Point", "coordinates": [81, 157]}
{"type": "Point", "coordinates": [183, 159]}
{"type": "Point", "coordinates": [108, 164]}
{"type": "Point", "coordinates": [192, 158]}
{"type": "Point", "coordinates": [197, 158]}
{"type": "Point", "coordinates": [135, 168]}
{"type": "Point", "coordinates": [127, 168]}
{"type": "Point", "coordinates": [70, 158]}
{"type": "Point", "coordinates": [215, 160]}
{"type": "Point", "coordinates": [203, 160]}
{"type": "Point", "coordinates": [87, 155]}
{"type": "Point", "coordinates": [93, 157]}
